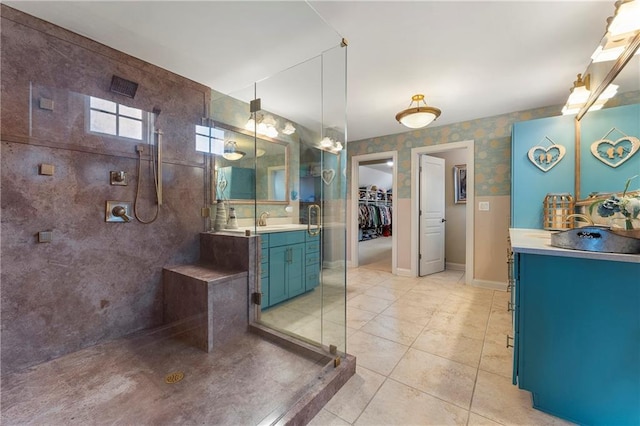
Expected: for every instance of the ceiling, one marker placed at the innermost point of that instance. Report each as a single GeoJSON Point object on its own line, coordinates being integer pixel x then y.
{"type": "Point", "coordinates": [470, 59]}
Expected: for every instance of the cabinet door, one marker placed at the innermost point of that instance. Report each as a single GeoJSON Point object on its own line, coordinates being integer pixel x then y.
{"type": "Point", "coordinates": [264, 271]}
{"type": "Point", "coordinates": [579, 343]}
{"type": "Point", "coordinates": [295, 270]}
{"type": "Point", "coordinates": [312, 264]}
{"type": "Point", "coordinates": [515, 305]}
{"type": "Point", "coordinates": [278, 265]}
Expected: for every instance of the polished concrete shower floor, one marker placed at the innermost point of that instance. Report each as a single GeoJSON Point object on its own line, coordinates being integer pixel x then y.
{"type": "Point", "coordinates": [247, 381]}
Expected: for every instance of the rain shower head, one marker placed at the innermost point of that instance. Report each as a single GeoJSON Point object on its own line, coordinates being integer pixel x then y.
{"type": "Point", "coordinates": [123, 87]}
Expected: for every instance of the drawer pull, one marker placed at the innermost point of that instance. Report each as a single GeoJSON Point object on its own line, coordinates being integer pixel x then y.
{"type": "Point", "coordinates": [510, 307]}
{"type": "Point", "coordinates": [509, 339]}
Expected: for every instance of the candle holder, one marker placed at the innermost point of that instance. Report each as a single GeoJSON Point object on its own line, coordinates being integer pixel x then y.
{"type": "Point", "coordinates": [556, 211]}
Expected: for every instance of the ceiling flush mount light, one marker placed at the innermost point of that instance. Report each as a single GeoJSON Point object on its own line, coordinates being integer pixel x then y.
{"type": "Point", "coordinates": [418, 116]}
{"type": "Point", "coordinates": [231, 151]}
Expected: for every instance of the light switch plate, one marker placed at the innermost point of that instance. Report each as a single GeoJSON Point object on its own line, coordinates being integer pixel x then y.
{"type": "Point", "coordinates": [483, 206]}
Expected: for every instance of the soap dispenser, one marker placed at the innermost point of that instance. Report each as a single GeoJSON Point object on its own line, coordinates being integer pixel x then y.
{"type": "Point", "coordinates": [233, 220]}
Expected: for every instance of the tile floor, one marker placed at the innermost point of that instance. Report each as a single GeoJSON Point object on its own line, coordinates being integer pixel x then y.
{"type": "Point", "coordinates": [430, 351]}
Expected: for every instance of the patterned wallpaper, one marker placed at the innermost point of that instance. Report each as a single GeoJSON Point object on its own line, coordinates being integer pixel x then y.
{"type": "Point", "coordinates": [492, 136]}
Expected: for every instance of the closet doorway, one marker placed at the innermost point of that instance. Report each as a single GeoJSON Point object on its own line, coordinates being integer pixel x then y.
{"type": "Point", "coordinates": [374, 179]}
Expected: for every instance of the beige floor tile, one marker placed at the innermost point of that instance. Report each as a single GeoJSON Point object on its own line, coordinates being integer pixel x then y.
{"type": "Point", "coordinates": [497, 399]}
{"type": "Point", "coordinates": [358, 287]}
{"type": "Point", "coordinates": [500, 321]}
{"type": "Point", "coordinates": [422, 299]}
{"type": "Point", "coordinates": [437, 376]}
{"type": "Point", "coordinates": [335, 313]}
{"type": "Point", "coordinates": [375, 353]}
{"type": "Point", "coordinates": [400, 283]}
{"type": "Point", "coordinates": [354, 396]}
{"type": "Point", "coordinates": [384, 292]}
{"type": "Point", "coordinates": [409, 312]}
{"type": "Point", "coordinates": [478, 420]}
{"type": "Point", "coordinates": [498, 337]}
{"type": "Point", "coordinates": [466, 308]}
{"type": "Point", "coordinates": [497, 358]}
{"type": "Point", "coordinates": [394, 329]}
{"type": "Point", "coordinates": [475, 294]}
{"type": "Point", "coordinates": [464, 325]}
{"type": "Point", "coordinates": [369, 303]}
{"type": "Point", "coordinates": [398, 404]}
{"type": "Point", "coordinates": [500, 298]}
{"type": "Point", "coordinates": [286, 318]}
{"type": "Point", "coordinates": [356, 318]}
{"type": "Point", "coordinates": [450, 345]}
{"type": "Point", "coordinates": [326, 418]}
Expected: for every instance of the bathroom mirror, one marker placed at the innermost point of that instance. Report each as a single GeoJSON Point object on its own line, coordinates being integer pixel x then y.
{"type": "Point", "coordinates": [625, 73]}
{"type": "Point", "coordinates": [251, 168]}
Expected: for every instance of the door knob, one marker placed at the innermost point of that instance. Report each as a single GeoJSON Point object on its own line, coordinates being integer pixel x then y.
{"type": "Point", "coordinates": [443, 220]}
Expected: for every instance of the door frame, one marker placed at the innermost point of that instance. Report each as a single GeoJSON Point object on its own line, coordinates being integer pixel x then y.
{"type": "Point", "coordinates": [355, 180]}
{"type": "Point", "coordinates": [469, 211]}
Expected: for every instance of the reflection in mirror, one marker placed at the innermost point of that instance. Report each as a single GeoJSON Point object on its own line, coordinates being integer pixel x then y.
{"type": "Point", "coordinates": [250, 168]}
{"type": "Point", "coordinates": [609, 136]}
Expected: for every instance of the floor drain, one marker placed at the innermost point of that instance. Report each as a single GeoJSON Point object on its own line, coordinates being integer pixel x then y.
{"type": "Point", "coordinates": [174, 377]}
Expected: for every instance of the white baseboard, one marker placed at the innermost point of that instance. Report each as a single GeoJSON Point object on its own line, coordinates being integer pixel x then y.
{"type": "Point", "coordinates": [455, 266]}
{"type": "Point", "coordinates": [403, 272]}
{"type": "Point", "coordinates": [491, 285]}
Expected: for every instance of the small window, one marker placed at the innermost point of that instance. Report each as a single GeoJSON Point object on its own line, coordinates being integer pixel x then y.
{"type": "Point", "coordinates": [209, 140]}
{"type": "Point", "coordinates": [111, 118]}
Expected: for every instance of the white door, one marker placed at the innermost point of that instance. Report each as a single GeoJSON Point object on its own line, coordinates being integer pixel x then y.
{"type": "Point", "coordinates": [431, 215]}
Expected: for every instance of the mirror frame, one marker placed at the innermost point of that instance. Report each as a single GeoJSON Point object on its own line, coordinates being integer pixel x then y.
{"type": "Point", "coordinates": [287, 153]}
{"type": "Point", "coordinates": [617, 67]}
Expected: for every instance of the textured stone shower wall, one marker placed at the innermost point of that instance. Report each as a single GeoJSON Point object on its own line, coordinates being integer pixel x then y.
{"type": "Point", "coordinates": [95, 281]}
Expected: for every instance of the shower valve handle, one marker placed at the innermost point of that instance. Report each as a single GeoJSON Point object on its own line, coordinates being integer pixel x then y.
{"type": "Point", "coordinates": [120, 211]}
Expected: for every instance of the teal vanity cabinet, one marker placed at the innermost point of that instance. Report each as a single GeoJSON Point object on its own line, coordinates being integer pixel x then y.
{"type": "Point", "coordinates": [264, 270]}
{"type": "Point", "coordinates": [577, 331]}
{"type": "Point", "coordinates": [290, 265]}
{"type": "Point", "coordinates": [312, 261]}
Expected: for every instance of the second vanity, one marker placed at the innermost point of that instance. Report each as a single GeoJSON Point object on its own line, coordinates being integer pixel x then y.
{"type": "Point", "coordinates": [289, 261]}
{"type": "Point", "coordinates": [576, 330]}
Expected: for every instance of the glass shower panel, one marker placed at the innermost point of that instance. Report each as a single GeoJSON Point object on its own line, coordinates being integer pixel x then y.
{"type": "Point", "coordinates": [306, 282]}
{"type": "Point", "coordinates": [333, 194]}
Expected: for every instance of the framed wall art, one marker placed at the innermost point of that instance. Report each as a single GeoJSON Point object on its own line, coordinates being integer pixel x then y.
{"type": "Point", "coordinates": [460, 183]}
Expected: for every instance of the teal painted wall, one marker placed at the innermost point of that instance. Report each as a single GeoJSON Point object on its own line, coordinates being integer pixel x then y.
{"type": "Point", "coordinates": [530, 184]}
{"type": "Point", "coordinates": [611, 124]}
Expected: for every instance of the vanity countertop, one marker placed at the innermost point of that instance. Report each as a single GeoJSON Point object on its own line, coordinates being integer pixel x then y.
{"type": "Point", "coordinates": [269, 228]}
{"type": "Point", "coordinates": [538, 241]}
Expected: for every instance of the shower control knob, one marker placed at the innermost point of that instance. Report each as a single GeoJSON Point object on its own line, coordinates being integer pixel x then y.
{"type": "Point", "coordinates": [120, 211]}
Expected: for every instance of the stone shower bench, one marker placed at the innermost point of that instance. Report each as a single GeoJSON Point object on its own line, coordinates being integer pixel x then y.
{"type": "Point", "coordinates": [204, 305]}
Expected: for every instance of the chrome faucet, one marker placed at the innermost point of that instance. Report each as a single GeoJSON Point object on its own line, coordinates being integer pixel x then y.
{"type": "Point", "coordinates": [262, 220]}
